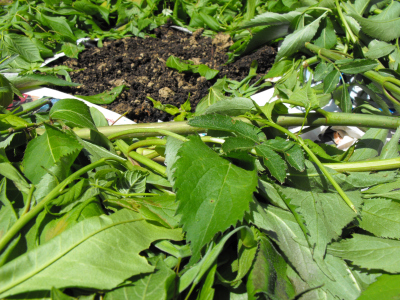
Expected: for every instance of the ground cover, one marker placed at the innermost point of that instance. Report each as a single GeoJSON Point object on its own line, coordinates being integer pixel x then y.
{"type": "Point", "coordinates": [161, 211]}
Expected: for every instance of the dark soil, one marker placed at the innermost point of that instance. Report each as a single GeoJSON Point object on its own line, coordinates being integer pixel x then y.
{"type": "Point", "coordinates": [140, 65]}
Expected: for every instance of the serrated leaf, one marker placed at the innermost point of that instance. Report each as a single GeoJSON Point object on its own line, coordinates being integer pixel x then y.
{"type": "Point", "coordinates": [370, 144]}
{"type": "Point", "coordinates": [98, 118]}
{"type": "Point", "coordinates": [369, 252]}
{"type": "Point", "coordinates": [390, 150]}
{"type": "Point", "coordinates": [378, 49]}
{"type": "Point", "coordinates": [213, 193]}
{"type": "Point", "coordinates": [331, 81]}
{"type": "Point", "coordinates": [132, 182]}
{"type": "Point", "coordinates": [268, 273]}
{"type": "Point", "coordinates": [307, 96]}
{"type": "Point", "coordinates": [22, 45]}
{"type": "Point", "coordinates": [385, 30]}
{"type": "Point", "coordinates": [342, 98]}
{"type": "Point", "coordinates": [215, 94]}
{"type": "Point", "coordinates": [327, 37]}
{"type": "Point", "coordinates": [46, 150]}
{"type": "Point", "coordinates": [74, 111]}
{"type": "Point", "coordinates": [274, 162]}
{"type": "Point", "coordinates": [279, 68]}
{"type": "Point", "coordinates": [381, 217]}
{"type": "Point", "coordinates": [322, 70]}
{"type": "Point", "coordinates": [225, 123]}
{"type": "Point", "coordinates": [355, 66]}
{"type": "Point", "coordinates": [388, 285]}
{"type": "Point", "coordinates": [151, 286]}
{"type": "Point", "coordinates": [237, 144]}
{"type": "Point", "coordinates": [288, 235]}
{"type": "Point", "coordinates": [72, 194]}
{"type": "Point", "coordinates": [72, 50]}
{"type": "Point", "coordinates": [296, 40]}
{"type": "Point", "coordinates": [295, 157]}
{"type": "Point", "coordinates": [271, 18]}
{"type": "Point", "coordinates": [325, 214]}
{"type": "Point", "coordinates": [105, 98]}
{"type": "Point", "coordinates": [124, 234]}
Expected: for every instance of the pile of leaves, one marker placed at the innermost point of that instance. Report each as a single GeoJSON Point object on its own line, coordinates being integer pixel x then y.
{"type": "Point", "coordinates": [250, 210]}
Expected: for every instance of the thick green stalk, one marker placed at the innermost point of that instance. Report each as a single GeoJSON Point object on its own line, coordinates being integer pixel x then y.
{"type": "Point", "coordinates": [366, 166]}
{"type": "Point", "coordinates": [313, 119]}
{"type": "Point", "coordinates": [140, 158]}
{"type": "Point", "coordinates": [23, 220]}
{"type": "Point", "coordinates": [146, 143]}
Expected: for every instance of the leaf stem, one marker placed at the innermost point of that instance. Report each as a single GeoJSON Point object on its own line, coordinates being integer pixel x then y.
{"type": "Point", "coordinates": [147, 130]}
{"type": "Point", "coordinates": [140, 158]}
{"type": "Point", "coordinates": [347, 27]}
{"type": "Point", "coordinates": [23, 220]}
{"type": "Point", "coordinates": [366, 166]}
{"type": "Point", "coordinates": [316, 160]}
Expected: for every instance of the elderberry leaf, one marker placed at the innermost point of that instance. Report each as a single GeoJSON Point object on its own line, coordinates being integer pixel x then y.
{"type": "Point", "coordinates": [225, 123]}
{"type": "Point", "coordinates": [213, 193]}
{"type": "Point", "coordinates": [273, 161]}
{"type": "Point", "coordinates": [369, 252]}
{"type": "Point", "coordinates": [295, 157]}
{"type": "Point", "coordinates": [46, 150]}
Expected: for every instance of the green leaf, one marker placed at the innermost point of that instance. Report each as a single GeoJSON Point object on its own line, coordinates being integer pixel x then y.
{"type": "Point", "coordinates": [72, 50]}
{"type": "Point", "coordinates": [177, 64]}
{"type": "Point", "coordinates": [271, 18]}
{"type": "Point", "coordinates": [381, 217]}
{"type": "Point", "coordinates": [98, 118]}
{"type": "Point", "coordinates": [9, 171]}
{"type": "Point", "coordinates": [216, 196]}
{"type": "Point", "coordinates": [388, 285]}
{"type": "Point", "coordinates": [215, 94]}
{"type": "Point", "coordinates": [6, 94]}
{"type": "Point", "coordinates": [327, 36]}
{"type": "Point", "coordinates": [296, 40]}
{"type": "Point", "coordinates": [279, 68]}
{"type": "Point", "coordinates": [123, 234]}
{"type": "Point", "coordinates": [19, 44]}
{"type": "Point", "coordinates": [89, 8]}
{"type": "Point", "coordinates": [74, 111]}
{"type": "Point", "coordinates": [225, 123]}
{"type": "Point", "coordinates": [307, 96]}
{"type": "Point", "coordinates": [205, 71]}
{"type": "Point", "coordinates": [171, 151]}
{"type": "Point", "coordinates": [355, 66]}
{"type": "Point", "coordinates": [46, 150]}
{"type": "Point", "coordinates": [60, 26]}
{"type": "Point", "coordinates": [370, 144]}
{"type": "Point", "coordinates": [72, 194]}
{"type": "Point", "coordinates": [378, 49]}
{"type": "Point", "coordinates": [35, 80]}
{"type": "Point", "coordinates": [295, 157]}
{"type": "Point", "coordinates": [390, 150]}
{"type": "Point", "coordinates": [237, 144]}
{"type": "Point", "coordinates": [288, 235]}
{"type": "Point", "coordinates": [105, 98]}
{"type": "Point", "coordinates": [274, 162]}
{"type": "Point", "coordinates": [384, 30]}
{"type": "Point", "coordinates": [207, 291]}
{"type": "Point", "coordinates": [322, 70]}
{"type": "Point", "coordinates": [268, 274]}
{"type": "Point", "coordinates": [231, 107]}
{"type": "Point", "coordinates": [151, 286]}
{"type": "Point", "coordinates": [369, 252]}
{"type": "Point", "coordinates": [325, 214]}
{"type": "Point", "coordinates": [331, 81]}
{"type": "Point", "coordinates": [132, 182]}
{"type": "Point", "coordinates": [342, 98]}
{"type": "Point", "coordinates": [7, 214]}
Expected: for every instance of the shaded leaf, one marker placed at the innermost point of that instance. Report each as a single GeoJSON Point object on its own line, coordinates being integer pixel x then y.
{"type": "Point", "coordinates": [273, 161]}
{"type": "Point", "coordinates": [390, 150]}
{"type": "Point", "coordinates": [355, 66]}
{"type": "Point", "coordinates": [370, 144]}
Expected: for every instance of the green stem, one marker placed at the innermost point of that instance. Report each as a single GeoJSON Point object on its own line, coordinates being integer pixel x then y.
{"type": "Point", "coordinates": [122, 134]}
{"type": "Point", "coordinates": [347, 27]}
{"type": "Point", "coordinates": [366, 166]}
{"type": "Point", "coordinates": [34, 107]}
{"type": "Point", "coordinates": [20, 128]}
{"type": "Point", "coordinates": [23, 220]}
{"type": "Point", "coordinates": [140, 158]}
{"type": "Point", "coordinates": [29, 200]}
{"type": "Point", "coordinates": [146, 143]}
{"type": "Point", "coordinates": [310, 61]}
{"type": "Point", "coordinates": [317, 162]}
